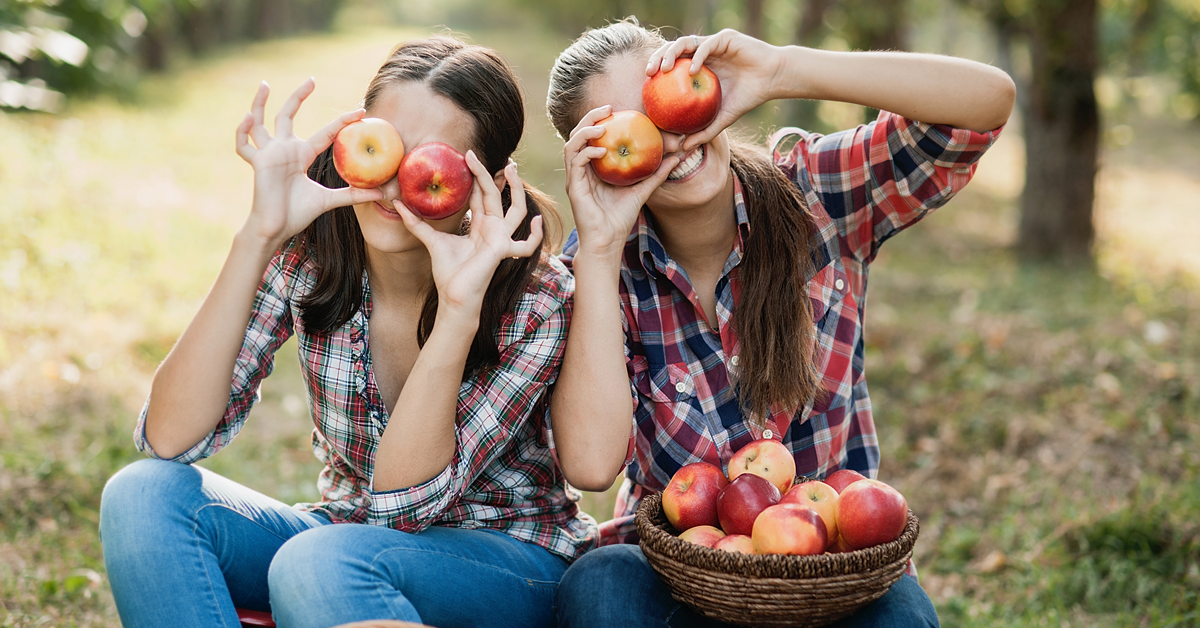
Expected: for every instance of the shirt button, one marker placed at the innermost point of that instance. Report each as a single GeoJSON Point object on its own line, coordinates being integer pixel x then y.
{"type": "Point", "coordinates": [680, 387]}
{"type": "Point", "coordinates": [839, 284]}
{"type": "Point", "coordinates": [768, 434]}
{"type": "Point", "coordinates": [734, 360]}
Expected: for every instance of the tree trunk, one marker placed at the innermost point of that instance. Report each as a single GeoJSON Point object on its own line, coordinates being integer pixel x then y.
{"type": "Point", "coordinates": [753, 24]}
{"type": "Point", "coordinates": [1062, 128]}
{"type": "Point", "coordinates": [810, 29]}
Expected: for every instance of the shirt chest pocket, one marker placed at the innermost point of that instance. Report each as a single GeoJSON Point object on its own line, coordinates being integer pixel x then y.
{"type": "Point", "coordinates": [669, 383]}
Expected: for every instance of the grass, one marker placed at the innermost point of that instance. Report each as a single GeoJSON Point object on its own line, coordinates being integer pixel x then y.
{"type": "Point", "coordinates": [1043, 423]}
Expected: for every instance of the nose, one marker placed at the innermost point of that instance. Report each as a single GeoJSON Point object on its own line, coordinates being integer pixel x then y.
{"type": "Point", "coordinates": [672, 142]}
{"type": "Point", "coordinates": [391, 191]}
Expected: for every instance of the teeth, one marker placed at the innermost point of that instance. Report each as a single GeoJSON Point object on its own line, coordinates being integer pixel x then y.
{"type": "Point", "coordinates": [688, 165]}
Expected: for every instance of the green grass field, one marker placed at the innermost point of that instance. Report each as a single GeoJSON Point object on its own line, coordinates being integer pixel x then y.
{"type": "Point", "coordinates": [1044, 425]}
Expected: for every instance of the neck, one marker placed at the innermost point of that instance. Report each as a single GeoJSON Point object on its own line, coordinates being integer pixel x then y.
{"type": "Point", "coordinates": [399, 277]}
{"type": "Point", "coordinates": [700, 236]}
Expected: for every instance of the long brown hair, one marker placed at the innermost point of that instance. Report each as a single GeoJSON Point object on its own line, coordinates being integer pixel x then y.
{"type": "Point", "coordinates": [479, 82]}
{"type": "Point", "coordinates": [773, 318]}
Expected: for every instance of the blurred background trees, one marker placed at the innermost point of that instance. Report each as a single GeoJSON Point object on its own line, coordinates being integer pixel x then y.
{"type": "Point", "coordinates": [1064, 54]}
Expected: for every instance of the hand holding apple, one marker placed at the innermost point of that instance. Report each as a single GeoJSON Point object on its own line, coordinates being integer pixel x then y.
{"type": "Point", "coordinates": [367, 153]}
{"type": "Point", "coordinates": [679, 102]}
{"type": "Point", "coordinates": [634, 148]}
{"type": "Point", "coordinates": [747, 68]}
{"type": "Point", "coordinates": [286, 200]}
{"type": "Point", "coordinates": [434, 180]}
{"type": "Point", "coordinates": [690, 498]}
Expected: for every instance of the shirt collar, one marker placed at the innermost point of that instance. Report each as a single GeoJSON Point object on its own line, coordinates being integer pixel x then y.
{"type": "Point", "coordinates": [653, 257]}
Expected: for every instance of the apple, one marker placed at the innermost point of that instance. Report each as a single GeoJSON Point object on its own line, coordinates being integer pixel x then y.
{"type": "Point", "coordinates": [739, 503]}
{"type": "Point", "coordinates": [842, 478]}
{"type": "Point", "coordinates": [681, 103]}
{"type": "Point", "coordinates": [366, 153]}
{"type": "Point", "coordinates": [766, 458]}
{"type": "Point", "coordinates": [735, 543]}
{"type": "Point", "coordinates": [635, 148]}
{"type": "Point", "coordinates": [702, 535]}
{"type": "Point", "coordinates": [870, 513]}
{"type": "Point", "coordinates": [839, 547]}
{"type": "Point", "coordinates": [690, 498]}
{"type": "Point", "coordinates": [821, 498]}
{"type": "Point", "coordinates": [789, 529]}
{"type": "Point", "coordinates": [434, 180]}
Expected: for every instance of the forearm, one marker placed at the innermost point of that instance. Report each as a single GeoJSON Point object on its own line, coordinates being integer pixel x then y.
{"type": "Point", "coordinates": [420, 439]}
{"type": "Point", "coordinates": [930, 88]}
{"type": "Point", "coordinates": [190, 390]}
{"type": "Point", "coordinates": [591, 409]}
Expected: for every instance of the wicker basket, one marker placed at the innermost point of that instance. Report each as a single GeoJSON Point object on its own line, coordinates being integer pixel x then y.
{"type": "Point", "coordinates": [752, 590]}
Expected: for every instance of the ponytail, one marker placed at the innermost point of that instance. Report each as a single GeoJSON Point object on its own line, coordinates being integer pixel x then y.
{"type": "Point", "coordinates": [773, 318]}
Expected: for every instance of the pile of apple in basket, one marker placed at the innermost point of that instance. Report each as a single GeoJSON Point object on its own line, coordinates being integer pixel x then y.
{"type": "Point", "coordinates": [759, 509]}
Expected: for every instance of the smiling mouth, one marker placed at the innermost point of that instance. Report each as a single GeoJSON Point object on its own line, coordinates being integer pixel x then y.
{"type": "Point", "coordinates": [689, 164]}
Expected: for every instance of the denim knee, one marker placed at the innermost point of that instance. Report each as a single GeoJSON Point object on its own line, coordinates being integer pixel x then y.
{"type": "Point", "coordinates": [142, 492]}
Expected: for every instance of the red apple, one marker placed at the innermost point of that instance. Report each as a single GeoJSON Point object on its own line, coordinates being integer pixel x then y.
{"type": "Point", "coordinates": [767, 458]}
{"type": "Point", "coordinates": [735, 543]}
{"type": "Point", "coordinates": [842, 478]}
{"type": "Point", "coordinates": [679, 102]}
{"type": "Point", "coordinates": [367, 152]}
{"type": "Point", "coordinates": [690, 498]}
{"type": "Point", "coordinates": [870, 513]}
{"type": "Point", "coordinates": [434, 180]}
{"type": "Point", "coordinates": [789, 529]}
{"type": "Point", "coordinates": [635, 148]}
{"type": "Point", "coordinates": [708, 536]}
{"type": "Point", "coordinates": [740, 502]}
{"type": "Point", "coordinates": [820, 497]}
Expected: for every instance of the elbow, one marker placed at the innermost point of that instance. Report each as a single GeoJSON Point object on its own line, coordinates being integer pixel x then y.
{"type": "Point", "coordinates": [593, 483]}
{"type": "Point", "coordinates": [1004, 96]}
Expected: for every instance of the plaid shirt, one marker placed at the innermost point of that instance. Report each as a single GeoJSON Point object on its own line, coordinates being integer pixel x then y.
{"type": "Point", "coordinates": [502, 475]}
{"type": "Point", "coordinates": [862, 186]}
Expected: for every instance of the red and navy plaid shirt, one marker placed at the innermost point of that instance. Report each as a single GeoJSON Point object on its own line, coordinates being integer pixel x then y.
{"type": "Point", "coordinates": [862, 187]}
{"type": "Point", "coordinates": [502, 476]}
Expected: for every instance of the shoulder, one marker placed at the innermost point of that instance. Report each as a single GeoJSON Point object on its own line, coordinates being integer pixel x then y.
{"type": "Point", "coordinates": [291, 271]}
{"type": "Point", "coordinates": [545, 305]}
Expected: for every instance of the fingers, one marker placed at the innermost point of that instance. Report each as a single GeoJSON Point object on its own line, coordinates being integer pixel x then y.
{"type": "Point", "coordinates": [517, 209]}
{"type": "Point", "coordinates": [258, 131]}
{"type": "Point", "coordinates": [417, 226]}
{"type": "Point", "coordinates": [323, 138]}
{"type": "Point", "coordinates": [664, 58]}
{"type": "Point", "coordinates": [591, 118]}
{"type": "Point", "coordinates": [242, 138]}
{"type": "Point", "coordinates": [345, 197]}
{"type": "Point", "coordinates": [287, 113]}
{"type": "Point", "coordinates": [708, 133]}
{"type": "Point", "coordinates": [644, 188]}
{"type": "Point", "coordinates": [485, 196]}
{"type": "Point", "coordinates": [530, 245]}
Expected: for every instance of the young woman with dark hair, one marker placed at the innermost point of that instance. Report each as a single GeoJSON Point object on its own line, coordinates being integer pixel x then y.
{"type": "Point", "coordinates": [725, 293]}
{"type": "Point", "coordinates": [427, 349]}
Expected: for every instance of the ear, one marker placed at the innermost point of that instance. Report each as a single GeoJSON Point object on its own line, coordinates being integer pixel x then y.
{"type": "Point", "coordinates": [500, 180]}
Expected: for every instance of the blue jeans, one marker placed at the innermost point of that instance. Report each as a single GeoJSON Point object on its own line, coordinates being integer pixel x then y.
{"type": "Point", "coordinates": [615, 586]}
{"type": "Point", "coordinates": [183, 546]}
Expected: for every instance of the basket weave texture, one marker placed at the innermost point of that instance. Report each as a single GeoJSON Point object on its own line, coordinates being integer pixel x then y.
{"type": "Point", "coordinates": [770, 590]}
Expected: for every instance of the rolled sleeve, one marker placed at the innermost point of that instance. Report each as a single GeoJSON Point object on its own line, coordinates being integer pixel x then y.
{"type": "Point", "coordinates": [880, 178]}
{"type": "Point", "coordinates": [269, 327]}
